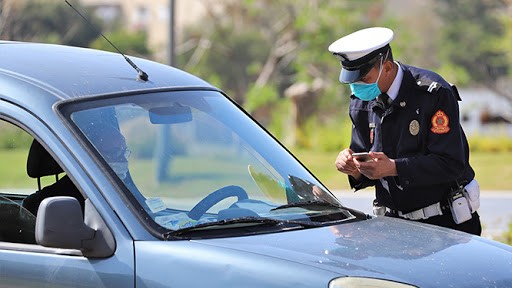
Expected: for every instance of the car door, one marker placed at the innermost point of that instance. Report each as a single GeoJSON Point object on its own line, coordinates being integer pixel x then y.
{"type": "Point", "coordinates": [23, 263]}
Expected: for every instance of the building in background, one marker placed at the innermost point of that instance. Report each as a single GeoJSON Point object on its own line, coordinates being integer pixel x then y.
{"type": "Point", "coordinates": [152, 17]}
{"type": "Point", "coordinates": [485, 112]}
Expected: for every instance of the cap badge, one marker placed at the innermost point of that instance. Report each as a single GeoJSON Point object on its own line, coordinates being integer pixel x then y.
{"type": "Point", "coordinates": [414, 127]}
{"type": "Point", "coordinates": [440, 123]}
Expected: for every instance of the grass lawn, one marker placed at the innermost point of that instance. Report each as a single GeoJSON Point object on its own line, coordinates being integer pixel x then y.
{"type": "Point", "coordinates": [13, 171]}
{"type": "Point", "coordinates": [493, 170]}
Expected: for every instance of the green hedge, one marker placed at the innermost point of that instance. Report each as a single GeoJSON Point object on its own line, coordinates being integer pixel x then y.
{"type": "Point", "coordinates": [13, 138]}
{"type": "Point", "coordinates": [490, 144]}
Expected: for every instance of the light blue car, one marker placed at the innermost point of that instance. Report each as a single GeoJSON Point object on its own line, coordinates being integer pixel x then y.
{"type": "Point", "coordinates": [165, 182]}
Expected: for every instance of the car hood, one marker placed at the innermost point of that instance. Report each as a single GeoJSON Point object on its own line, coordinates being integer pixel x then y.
{"type": "Point", "coordinates": [388, 248]}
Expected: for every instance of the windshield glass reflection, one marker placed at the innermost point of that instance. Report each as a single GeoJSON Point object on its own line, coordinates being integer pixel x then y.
{"type": "Point", "coordinates": [193, 157]}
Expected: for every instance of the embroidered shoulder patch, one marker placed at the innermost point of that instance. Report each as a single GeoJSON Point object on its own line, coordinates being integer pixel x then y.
{"type": "Point", "coordinates": [440, 123]}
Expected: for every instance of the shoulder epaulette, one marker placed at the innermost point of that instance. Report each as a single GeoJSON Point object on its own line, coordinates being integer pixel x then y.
{"type": "Point", "coordinates": [433, 86]}
{"type": "Point", "coordinates": [429, 85]}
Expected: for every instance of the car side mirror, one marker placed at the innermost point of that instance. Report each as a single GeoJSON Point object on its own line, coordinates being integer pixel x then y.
{"type": "Point", "coordinates": [60, 224]}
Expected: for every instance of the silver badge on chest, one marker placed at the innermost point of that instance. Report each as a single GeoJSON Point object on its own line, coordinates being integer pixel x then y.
{"type": "Point", "coordinates": [414, 127]}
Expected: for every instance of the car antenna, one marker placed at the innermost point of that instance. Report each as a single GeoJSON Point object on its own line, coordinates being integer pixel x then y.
{"type": "Point", "coordinates": [142, 75]}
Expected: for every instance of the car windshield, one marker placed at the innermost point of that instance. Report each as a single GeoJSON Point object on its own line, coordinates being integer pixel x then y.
{"type": "Point", "coordinates": [194, 159]}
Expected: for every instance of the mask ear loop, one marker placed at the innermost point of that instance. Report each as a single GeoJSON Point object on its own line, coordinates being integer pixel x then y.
{"type": "Point", "coordinates": [381, 64]}
{"type": "Point", "coordinates": [380, 70]}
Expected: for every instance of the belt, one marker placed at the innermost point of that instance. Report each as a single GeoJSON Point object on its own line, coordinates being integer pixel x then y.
{"type": "Point", "coordinates": [423, 213]}
{"type": "Point", "coordinates": [435, 209]}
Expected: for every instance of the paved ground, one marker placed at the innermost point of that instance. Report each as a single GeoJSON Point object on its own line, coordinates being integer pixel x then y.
{"type": "Point", "coordinates": [495, 208]}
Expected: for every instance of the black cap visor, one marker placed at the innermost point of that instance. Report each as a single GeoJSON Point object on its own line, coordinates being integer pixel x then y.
{"type": "Point", "coordinates": [350, 76]}
{"type": "Point", "coordinates": [353, 71]}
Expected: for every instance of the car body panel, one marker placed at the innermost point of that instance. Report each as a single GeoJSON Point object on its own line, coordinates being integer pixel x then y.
{"type": "Point", "coordinates": [20, 268]}
{"type": "Point", "coordinates": [367, 248]}
{"type": "Point", "coordinates": [352, 249]}
{"type": "Point", "coordinates": [71, 72]}
{"type": "Point", "coordinates": [220, 267]}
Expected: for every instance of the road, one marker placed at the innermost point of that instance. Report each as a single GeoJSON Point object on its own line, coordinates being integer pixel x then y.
{"type": "Point", "coordinates": [495, 208]}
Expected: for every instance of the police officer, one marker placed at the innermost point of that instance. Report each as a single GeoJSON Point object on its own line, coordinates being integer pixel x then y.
{"type": "Point", "coordinates": [407, 118]}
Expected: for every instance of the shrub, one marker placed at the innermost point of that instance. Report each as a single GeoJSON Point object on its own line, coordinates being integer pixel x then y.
{"type": "Point", "coordinates": [490, 144]}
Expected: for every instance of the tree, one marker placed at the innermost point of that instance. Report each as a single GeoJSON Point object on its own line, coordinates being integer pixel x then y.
{"type": "Point", "coordinates": [132, 43]}
{"type": "Point", "coordinates": [256, 53]}
{"type": "Point", "coordinates": [44, 21]}
{"type": "Point", "coordinates": [226, 50]}
{"type": "Point", "coordinates": [55, 22]}
{"type": "Point", "coordinates": [471, 43]}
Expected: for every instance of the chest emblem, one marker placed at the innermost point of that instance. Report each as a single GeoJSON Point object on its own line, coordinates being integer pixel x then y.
{"type": "Point", "coordinates": [440, 123]}
{"type": "Point", "coordinates": [414, 127]}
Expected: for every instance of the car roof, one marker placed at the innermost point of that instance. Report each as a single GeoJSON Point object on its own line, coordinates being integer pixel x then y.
{"type": "Point", "coordinates": [63, 72]}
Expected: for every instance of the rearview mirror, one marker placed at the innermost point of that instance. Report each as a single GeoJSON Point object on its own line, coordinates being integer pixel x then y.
{"type": "Point", "coordinates": [174, 114]}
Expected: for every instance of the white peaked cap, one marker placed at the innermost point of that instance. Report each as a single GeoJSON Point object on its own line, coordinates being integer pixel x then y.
{"type": "Point", "coordinates": [358, 50]}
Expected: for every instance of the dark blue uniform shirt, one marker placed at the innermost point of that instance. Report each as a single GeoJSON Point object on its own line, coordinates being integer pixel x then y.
{"type": "Point", "coordinates": [420, 129]}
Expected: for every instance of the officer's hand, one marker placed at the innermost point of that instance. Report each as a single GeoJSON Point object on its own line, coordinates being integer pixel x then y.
{"type": "Point", "coordinates": [381, 166]}
{"type": "Point", "coordinates": [345, 163]}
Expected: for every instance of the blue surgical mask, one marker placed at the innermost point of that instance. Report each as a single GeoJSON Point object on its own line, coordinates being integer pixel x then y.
{"type": "Point", "coordinates": [367, 92]}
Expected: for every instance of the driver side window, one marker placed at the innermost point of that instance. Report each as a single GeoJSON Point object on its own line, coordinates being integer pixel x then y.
{"type": "Point", "coordinates": [16, 224]}
{"type": "Point", "coordinates": [29, 175]}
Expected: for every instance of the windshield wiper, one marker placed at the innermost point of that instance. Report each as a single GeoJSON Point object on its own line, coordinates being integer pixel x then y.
{"type": "Point", "coordinates": [308, 204]}
{"type": "Point", "coordinates": [234, 223]}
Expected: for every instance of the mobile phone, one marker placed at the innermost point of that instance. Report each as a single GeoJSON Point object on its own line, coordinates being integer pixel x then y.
{"type": "Point", "coordinates": [362, 156]}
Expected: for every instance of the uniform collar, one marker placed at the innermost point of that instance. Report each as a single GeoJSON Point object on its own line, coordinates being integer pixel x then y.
{"type": "Point", "coordinates": [395, 86]}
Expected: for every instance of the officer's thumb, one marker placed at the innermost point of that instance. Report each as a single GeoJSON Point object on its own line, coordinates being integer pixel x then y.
{"type": "Point", "coordinates": [377, 155]}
